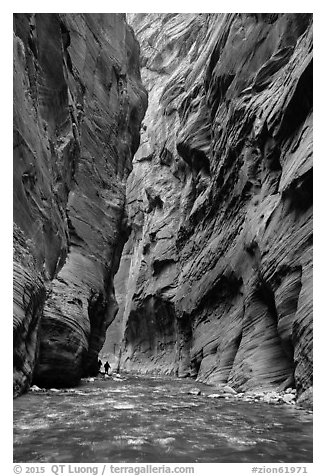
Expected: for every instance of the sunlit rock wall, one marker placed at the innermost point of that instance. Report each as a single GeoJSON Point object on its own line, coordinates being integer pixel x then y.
{"type": "Point", "coordinates": [219, 268]}
{"type": "Point", "coordinates": [78, 105]}
{"type": "Point", "coordinates": [158, 189]}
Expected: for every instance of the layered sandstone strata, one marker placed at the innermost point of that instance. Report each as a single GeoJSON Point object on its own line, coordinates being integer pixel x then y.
{"type": "Point", "coordinates": [216, 277]}
{"type": "Point", "coordinates": [78, 105]}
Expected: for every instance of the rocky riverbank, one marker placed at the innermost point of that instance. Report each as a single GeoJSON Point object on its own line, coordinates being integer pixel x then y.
{"type": "Point", "coordinates": [288, 397]}
{"type": "Point", "coordinates": [272, 397]}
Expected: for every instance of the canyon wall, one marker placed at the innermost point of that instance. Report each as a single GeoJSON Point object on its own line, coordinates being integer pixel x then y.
{"type": "Point", "coordinates": [78, 106]}
{"type": "Point", "coordinates": [215, 280]}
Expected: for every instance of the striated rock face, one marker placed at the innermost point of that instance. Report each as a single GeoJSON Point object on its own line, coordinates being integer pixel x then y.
{"type": "Point", "coordinates": [217, 271]}
{"type": "Point", "coordinates": [78, 105]}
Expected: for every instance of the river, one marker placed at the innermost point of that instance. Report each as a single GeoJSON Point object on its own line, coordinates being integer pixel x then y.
{"type": "Point", "coordinates": [155, 420]}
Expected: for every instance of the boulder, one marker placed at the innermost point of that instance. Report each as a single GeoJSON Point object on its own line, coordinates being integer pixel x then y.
{"type": "Point", "coordinates": [194, 391]}
{"type": "Point", "coordinates": [229, 390]}
{"type": "Point", "coordinates": [35, 388]}
{"type": "Point", "coordinates": [288, 398]}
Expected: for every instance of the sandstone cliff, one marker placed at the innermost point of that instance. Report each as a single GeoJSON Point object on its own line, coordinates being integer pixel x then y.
{"type": "Point", "coordinates": [216, 277]}
{"type": "Point", "coordinates": [78, 105]}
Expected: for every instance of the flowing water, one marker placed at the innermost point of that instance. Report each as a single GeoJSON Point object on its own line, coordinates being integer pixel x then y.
{"type": "Point", "coordinates": [154, 420]}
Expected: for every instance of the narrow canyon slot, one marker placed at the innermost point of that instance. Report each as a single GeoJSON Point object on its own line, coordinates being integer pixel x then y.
{"type": "Point", "coordinates": [163, 237]}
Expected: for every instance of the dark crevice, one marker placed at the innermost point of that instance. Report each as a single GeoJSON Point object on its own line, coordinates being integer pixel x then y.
{"type": "Point", "coordinates": [166, 156]}
{"type": "Point", "coordinates": [299, 194]}
{"type": "Point", "coordinates": [97, 311]}
{"type": "Point", "coordinates": [161, 265]}
{"type": "Point", "coordinates": [223, 290]}
{"type": "Point", "coordinates": [299, 106]}
{"type": "Point", "coordinates": [195, 158]}
{"type": "Point", "coordinates": [154, 200]}
{"type": "Point", "coordinates": [266, 295]}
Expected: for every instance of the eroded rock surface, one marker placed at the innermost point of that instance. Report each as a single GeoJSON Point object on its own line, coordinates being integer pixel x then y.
{"type": "Point", "coordinates": [218, 266]}
{"type": "Point", "coordinates": [78, 105]}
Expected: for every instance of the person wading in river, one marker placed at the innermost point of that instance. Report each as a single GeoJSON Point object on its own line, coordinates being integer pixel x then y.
{"type": "Point", "coordinates": [99, 365]}
{"type": "Point", "coordinates": [107, 366]}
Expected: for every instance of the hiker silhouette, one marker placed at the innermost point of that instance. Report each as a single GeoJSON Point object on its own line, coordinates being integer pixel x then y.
{"type": "Point", "coordinates": [107, 366]}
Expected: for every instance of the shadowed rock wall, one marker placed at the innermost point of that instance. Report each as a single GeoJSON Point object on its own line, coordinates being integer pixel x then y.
{"type": "Point", "coordinates": [218, 266]}
{"type": "Point", "coordinates": [78, 105]}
